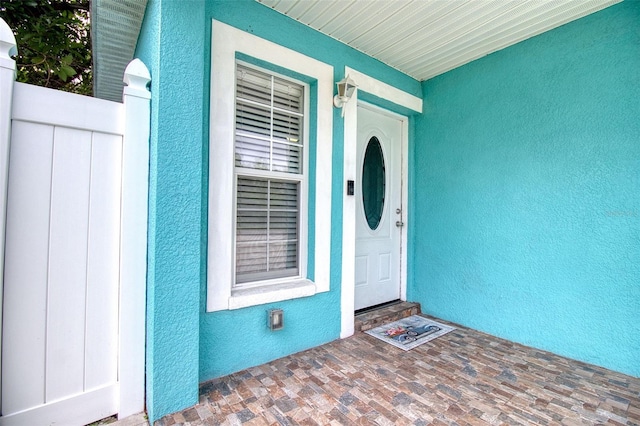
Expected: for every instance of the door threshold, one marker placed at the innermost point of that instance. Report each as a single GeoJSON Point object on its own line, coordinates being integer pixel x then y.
{"type": "Point", "coordinates": [375, 307]}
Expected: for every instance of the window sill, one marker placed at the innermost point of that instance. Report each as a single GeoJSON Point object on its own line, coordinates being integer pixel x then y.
{"type": "Point", "coordinates": [242, 298]}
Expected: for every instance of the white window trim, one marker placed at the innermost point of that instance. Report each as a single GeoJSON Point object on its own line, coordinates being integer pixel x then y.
{"type": "Point", "coordinates": [226, 41]}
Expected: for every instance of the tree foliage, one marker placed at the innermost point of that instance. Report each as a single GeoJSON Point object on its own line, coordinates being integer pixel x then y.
{"type": "Point", "coordinates": [54, 42]}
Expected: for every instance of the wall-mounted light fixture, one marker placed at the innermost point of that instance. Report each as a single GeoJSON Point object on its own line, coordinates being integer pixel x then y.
{"type": "Point", "coordinates": [346, 87]}
{"type": "Point", "coordinates": [275, 319]}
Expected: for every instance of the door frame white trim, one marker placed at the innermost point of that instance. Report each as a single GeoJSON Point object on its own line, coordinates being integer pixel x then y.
{"type": "Point", "coordinates": [384, 91]}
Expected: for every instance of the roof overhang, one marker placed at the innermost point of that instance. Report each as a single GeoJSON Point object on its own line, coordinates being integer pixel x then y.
{"type": "Point", "coordinates": [115, 27]}
{"type": "Point", "coordinates": [421, 38]}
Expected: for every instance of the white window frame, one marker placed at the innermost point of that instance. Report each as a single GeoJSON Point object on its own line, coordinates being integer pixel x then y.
{"type": "Point", "coordinates": [221, 295]}
{"type": "Point", "coordinates": [302, 179]}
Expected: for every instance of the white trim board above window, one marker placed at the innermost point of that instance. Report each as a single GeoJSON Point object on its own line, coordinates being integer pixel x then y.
{"type": "Point", "coordinates": [227, 177]}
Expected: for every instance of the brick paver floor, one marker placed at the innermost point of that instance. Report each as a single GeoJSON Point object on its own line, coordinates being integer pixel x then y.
{"type": "Point", "coordinates": [462, 378]}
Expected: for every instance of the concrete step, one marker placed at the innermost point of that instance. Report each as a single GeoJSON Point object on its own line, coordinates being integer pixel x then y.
{"type": "Point", "coordinates": [385, 314]}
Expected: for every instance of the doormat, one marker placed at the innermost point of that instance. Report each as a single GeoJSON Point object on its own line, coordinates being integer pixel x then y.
{"type": "Point", "coordinates": [407, 333]}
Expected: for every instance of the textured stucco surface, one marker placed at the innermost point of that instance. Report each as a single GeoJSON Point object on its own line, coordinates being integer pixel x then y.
{"type": "Point", "coordinates": [527, 212]}
{"type": "Point", "coordinates": [175, 57]}
{"type": "Point", "coordinates": [313, 320]}
{"type": "Point", "coordinates": [186, 345]}
{"type": "Point", "coordinates": [524, 217]}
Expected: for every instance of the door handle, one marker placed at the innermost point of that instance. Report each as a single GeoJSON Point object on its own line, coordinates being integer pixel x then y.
{"type": "Point", "coordinates": [399, 223]}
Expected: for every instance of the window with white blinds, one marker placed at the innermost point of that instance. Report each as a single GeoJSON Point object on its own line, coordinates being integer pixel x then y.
{"type": "Point", "coordinates": [269, 175]}
{"type": "Point", "coordinates": [269, 119]}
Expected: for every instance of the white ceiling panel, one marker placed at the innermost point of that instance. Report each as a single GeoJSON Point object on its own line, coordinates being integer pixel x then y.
{"type": "Point", "coordinates": [425, 38]}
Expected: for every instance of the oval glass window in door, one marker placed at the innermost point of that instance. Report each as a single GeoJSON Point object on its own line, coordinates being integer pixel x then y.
{"type": "Point", "coordinates": [373, 183]}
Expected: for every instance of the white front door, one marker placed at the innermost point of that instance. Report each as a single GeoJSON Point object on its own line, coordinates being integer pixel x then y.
{"type": "Point", "coordinates": [379, 207]}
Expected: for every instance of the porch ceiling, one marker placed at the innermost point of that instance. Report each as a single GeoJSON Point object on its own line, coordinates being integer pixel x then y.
{"type": "Point", "coordinates": [425, 38]}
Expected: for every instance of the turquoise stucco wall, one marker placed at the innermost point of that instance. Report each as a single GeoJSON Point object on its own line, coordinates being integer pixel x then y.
{"type": "Point", "coordinates": [186, 345]}
{"type": "Point", "coordinates": [309, 321]}
{"type": "Point", "coordinates": [176, 201]}
{"type": "Point", "coordinates": [529, 203]}
{"type": "Point", "coordinates": [528, 224]}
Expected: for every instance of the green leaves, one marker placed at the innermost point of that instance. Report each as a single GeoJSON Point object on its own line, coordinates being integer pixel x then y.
{"type": "Point", "coordinates": [54, 45]}
{"type": "Point", "coordinates": [65, 71]}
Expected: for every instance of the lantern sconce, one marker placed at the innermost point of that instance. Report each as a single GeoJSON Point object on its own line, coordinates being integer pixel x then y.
{"type": "Point", "coordinates": [346, 87]}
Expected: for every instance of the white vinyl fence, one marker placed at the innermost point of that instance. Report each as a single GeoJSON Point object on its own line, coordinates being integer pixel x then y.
{"type": "Point", "coordinates": [73, 196]}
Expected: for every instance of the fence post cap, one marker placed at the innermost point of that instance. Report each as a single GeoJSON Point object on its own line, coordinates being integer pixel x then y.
{"type": "Point", "coordinates": [7, 41]}
{"type": "Point", "coordinates": [136, 76]}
